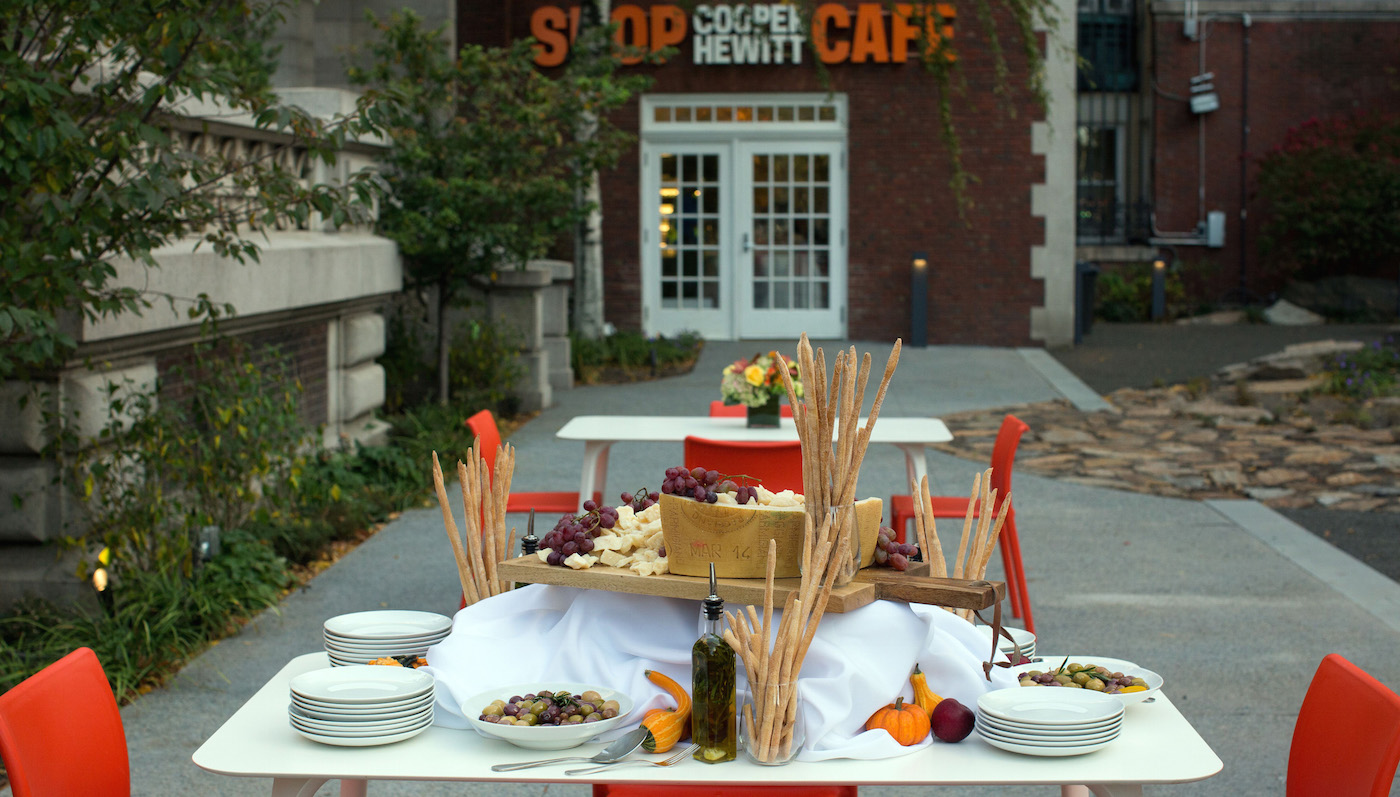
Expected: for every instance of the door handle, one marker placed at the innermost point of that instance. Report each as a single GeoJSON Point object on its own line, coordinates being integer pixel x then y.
{"type": "Point", "coordinates": [745, 241]}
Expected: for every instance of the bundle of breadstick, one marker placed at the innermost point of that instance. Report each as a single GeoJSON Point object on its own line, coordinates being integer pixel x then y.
{"type": "Point", "coordinates": [484, 496]}
{"type": "Point", "coordinates": [978, 541]}
{"type": "Point", "coordinates": [772, 656]}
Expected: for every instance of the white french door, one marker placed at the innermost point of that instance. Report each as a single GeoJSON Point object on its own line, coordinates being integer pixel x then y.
{"type": "Point", "coordinates": [743, 223]}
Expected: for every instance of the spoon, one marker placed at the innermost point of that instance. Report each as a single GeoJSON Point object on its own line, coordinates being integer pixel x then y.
{"type": "Point", "coordinates": [616, 751]}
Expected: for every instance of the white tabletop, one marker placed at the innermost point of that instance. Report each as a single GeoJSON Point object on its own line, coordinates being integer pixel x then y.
{"type": "Point", "coordinates": [664, 428]}
{"type": "Point", "coordinates": [1157, 745]}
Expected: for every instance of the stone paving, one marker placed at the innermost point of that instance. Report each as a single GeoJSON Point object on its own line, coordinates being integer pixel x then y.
{"type": "Point", "coordinates": [1186, 443]}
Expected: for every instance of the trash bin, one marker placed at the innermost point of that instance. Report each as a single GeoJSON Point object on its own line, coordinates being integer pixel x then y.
{"type": "Point", "coordinates": [1086, 276]}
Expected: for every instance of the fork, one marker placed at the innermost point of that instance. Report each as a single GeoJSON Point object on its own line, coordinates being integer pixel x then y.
{"type": "Point", "coordinates": [675, 758]}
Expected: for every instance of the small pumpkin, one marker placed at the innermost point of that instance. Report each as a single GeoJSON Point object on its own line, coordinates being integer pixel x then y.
{"type": "Point", "coordinates": [906, 722]}
{"type": "Point", "coordinates": [667, 726]}
{"type": "Point", "coordinates": [924, 697]}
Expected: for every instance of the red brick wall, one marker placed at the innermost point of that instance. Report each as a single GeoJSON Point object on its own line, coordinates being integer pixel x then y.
{"type": "Point", "coordinates": [303, 346]}
{"type": "Point", "coordinates": [980, 288]}
{"type": "Point", "coordinates": [1298, 69]}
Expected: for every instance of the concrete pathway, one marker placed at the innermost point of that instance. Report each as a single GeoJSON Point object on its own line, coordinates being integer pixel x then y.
{"type": "Point", "coordinates": [1236, 627]}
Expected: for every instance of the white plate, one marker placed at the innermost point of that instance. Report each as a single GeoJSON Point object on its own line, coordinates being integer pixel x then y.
{"type": "Point", "coordinates": [410, 640]}
{"type": "Point", "coordinates": [547, 737]}
{"type": "Point", "coordinates": [1048, 731]}
{"type": "Point", "coordinates": [1023, 638]}
{"type": "Point", "coordinates": [1054, 752]}
{"type": "Point", "coordinates": [329, 715]}
{"type": "Point", "coordinates": [395, 648]}
{"type": "Point", "coordinates": [1154, 681]}
{"type": "Point", "coordinates": [391, 624]}
{"type": "Point", "coordinates": [361, 709]}
{"type": "Point", "coordinates": [366, 658]}
{"type": "Point", "coordinates": [360, 728]}
{"type": "Point", "coordinates": [1059, 707]}
{"type": "Point", "coordinates": [1041, 741]}
{"type": "Point", "coordinates": [368, 741]}
{"type": "Point", "coordinates": [362, 685]}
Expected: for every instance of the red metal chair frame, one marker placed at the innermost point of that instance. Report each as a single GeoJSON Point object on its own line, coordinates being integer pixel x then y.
{"type": "Point", "coordinates": [718, 409]}
{"type": "Point", "coordinates": [952, 506]}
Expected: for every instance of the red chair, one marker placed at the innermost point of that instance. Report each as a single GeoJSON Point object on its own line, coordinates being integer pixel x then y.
{"type": "Point", "coordinates": [778, 466]}
{"type": "Point", "coordinates": [488, 436]}
{"type": "Point", "coordinates": [954, 506]}
{"type": "Point", "coordinates": [644, 790]}
{"type": "Point", "coordinates": [1347, 736]}
{"type": "Point", "coordinates": [718, 409]}
{"type": "Point", "coordinates": [61, 733]}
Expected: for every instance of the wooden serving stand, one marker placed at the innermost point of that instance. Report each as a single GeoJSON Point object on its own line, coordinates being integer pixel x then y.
{"type": "Point", "coordinates": [871, 584]}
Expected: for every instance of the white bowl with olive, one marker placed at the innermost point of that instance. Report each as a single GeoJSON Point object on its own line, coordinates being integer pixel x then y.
{"type": "Point", "coordinates": [1123, 679]}
{"type": "Point", "coordinates": [547, 716]}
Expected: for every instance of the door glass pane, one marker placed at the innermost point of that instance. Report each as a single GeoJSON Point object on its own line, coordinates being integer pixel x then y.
{"type": "Point", "coordinates": [823, 297]}
{"type": "Point", "coordinates": [690, 213]}
{"type": "Point", "coordinates": [668, 169]}
{"type": "Point", "coordinates": [780, 200]}
{"type": "Point", "coordinates": [711, 170]}
{"type": "Point", "coordinates": [710, 296]}
{"type": "Point", "coordinates": [711, 259]}
{"type": "Point", "coordinates": [821, 165]}
{"type": "Point", "coordinates": [760, 264]}
{"type": "Point", "coordinates": [760, 200]}
{"type": "Point", "coordinates": [821, 200]}
{"type": "Point", "coordinates": [799, 264]}
{"type": "Point", "coordinates": [709, 200]}
{"type": "Point", "coordinates": [799, 295]}
{"type": "Point", "coordinates": [780, 168]}
{"type": "Point", "coordinates": [780, 295]}
{"type": "Point", "coordinates": [760, 295]}
{"type": "Point", "coordinates": [799, 200]}
{"type": "Point", "coordinates": [792, 231]}
{"type": "Point", "coordinates": [668, 262]}
{"type": "Point", "coordinates": [799, 168]}
{"type": "Point", "coordinates": [780, 264]}
{"type": "Point", "coordinates": [668, 295]}
{"type": "Point", "coordinates": [760, 168]}
{"type": "Point", "coordinates": [690, 294]}
{"type": "Point", "coordinates": [780, 231]}
{"type": "Point", "coordinates": [690, 266]}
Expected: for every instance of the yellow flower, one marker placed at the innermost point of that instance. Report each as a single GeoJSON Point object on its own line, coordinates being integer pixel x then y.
{"type": "Point", "coordinates": [754, 375]}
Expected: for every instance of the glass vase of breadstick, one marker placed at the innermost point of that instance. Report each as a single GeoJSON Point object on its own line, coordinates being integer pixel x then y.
{"type": "Point", "coordinates": [484, 495]}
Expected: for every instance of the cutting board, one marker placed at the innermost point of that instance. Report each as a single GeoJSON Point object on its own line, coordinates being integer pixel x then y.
{"type": "Point", "coordinates": [870, 584]}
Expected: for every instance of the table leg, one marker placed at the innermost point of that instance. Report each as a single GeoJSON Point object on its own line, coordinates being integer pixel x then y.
{"type": "Point", "coordinates": [296, 787]}
{"type": "Point", "coordinates": [352, 787]}
{"type": "Point", "coordinates": [595, 469]}
{"type": "Point", "coordinates": [1116, 789]}
{"type": "Point", "coordinates": [915, 465]}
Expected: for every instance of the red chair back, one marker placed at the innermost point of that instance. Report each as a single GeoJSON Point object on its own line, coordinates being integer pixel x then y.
{"type": "Point", "coordinates": [726, 790]}
{"type": "Point", "coordinates": [61, 733]}
{"type": "Point", "coordinates": [1347, 736]}
{"type": "Point", "coordinates": [718, 409]}
{"type": "Point", "coordinates": [778, 466]}
{"type": "Point", "coordinates": [1004, 457]}
{"type": "Point", "coordinates": [488, 436]}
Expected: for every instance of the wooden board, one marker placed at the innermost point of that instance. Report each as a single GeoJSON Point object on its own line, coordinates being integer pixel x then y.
{"type": "Point", "coordinates": [870, 584]}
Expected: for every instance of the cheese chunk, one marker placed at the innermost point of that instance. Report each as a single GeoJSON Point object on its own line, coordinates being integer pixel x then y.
{"type": "Point", "coordinates": [544, 553]}
{"type": "Point", "coordinates": [580, 561]}
{"type": "Point", "coordinates": [614, 559]}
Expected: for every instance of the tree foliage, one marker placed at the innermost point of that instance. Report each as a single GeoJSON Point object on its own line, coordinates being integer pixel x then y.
{"type": "Point", "coordinates": [1332, 188]}
{"type": "Point", "coordinates": [485, 157]}
{"type": "Point", "coordinates": [92, 94]}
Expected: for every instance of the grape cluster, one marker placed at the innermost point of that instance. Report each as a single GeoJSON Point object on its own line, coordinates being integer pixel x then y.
{"type": "Point", "coordinates": [889, 553]}
{"type": "Point", "coordinates": [641, 500]}
{"type": "Point", "coordinates": [705, 485]}
{"type": "Point", "coordinates": [574, 533]}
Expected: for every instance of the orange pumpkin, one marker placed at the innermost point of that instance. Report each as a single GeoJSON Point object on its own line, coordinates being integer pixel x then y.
{"type": "Point", "coordinates": [665, 726]}
{"type": "Point", "coordinates": [906, 722]}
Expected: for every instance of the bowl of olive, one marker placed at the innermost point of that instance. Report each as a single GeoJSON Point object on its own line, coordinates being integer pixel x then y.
{"type": "Point", "coordinates": [1122, 679]}
{"type": "Point", "coordinates": [547, 716]}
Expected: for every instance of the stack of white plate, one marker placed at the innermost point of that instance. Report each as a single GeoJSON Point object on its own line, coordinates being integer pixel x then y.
{"type": "Point", "coordinates": [1023, 638]}
{"type": "Point", "coordinates": [361, 706]}
{"type": "Point", "coordinates": [362, 637]}
{"type": "Point", "coordinates": [1049, 722]}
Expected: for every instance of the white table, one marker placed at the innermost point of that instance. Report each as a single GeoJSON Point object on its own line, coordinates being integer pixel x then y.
{"type": "Point", "coordinates": [600, 432]}
{"type": "Point", "coordinates": [1157, 745]}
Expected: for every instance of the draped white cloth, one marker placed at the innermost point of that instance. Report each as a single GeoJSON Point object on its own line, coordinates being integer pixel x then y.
{"type": "Point", "coordinates": [858, 661]}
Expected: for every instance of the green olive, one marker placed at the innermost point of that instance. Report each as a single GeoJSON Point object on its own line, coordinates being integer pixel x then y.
{"type": "Point", "coordinates": [1064, 679]}
{"type": "Point", "coordinates": [1094, 685]}
{"type": "Point", "coordinates": [1082, 678]}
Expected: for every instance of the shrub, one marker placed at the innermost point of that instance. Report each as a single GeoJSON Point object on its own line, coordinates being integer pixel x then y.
{"type": "Point", "coordinates": [484, 369]}
{"type": "Point", "coordinates": [1333, 191]}
{"type": "Point", "coordinates": [633, 350]}
{"type": "Point", "coordinates": [1125, 294]}
{"type": "Point", "coordinates": [1368, 372]}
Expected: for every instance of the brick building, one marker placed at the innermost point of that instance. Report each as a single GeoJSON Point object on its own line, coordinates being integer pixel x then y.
{"type": "Point", "coordinates": [1153, 167]}
{"type": "Point", "coordinates": [761, 201]}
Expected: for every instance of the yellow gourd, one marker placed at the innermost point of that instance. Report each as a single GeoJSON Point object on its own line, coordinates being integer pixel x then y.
{"type": "Point", "coordinates": [666, 726]}
{"type": "Point", "coordinates": [924, 697]}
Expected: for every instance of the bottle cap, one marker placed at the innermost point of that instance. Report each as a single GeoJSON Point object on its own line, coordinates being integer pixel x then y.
{"type": "Point", "coordinates": [714, 604]}
{"type": "Point", "coordinates": [530, 543]}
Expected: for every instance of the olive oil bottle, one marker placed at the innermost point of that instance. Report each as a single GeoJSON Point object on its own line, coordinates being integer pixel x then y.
{"type": "Point", "coordinates": [712, 686]}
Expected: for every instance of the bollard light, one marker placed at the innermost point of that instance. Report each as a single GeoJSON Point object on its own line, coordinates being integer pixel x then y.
{"type": "Point", "coordinates": [1159, 289]}
{"type": "Point", "coordinates": [918, 300]}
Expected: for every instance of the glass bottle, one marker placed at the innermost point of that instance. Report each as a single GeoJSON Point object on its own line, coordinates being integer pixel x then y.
{"type": "Point", "coordinates": [712, 686]}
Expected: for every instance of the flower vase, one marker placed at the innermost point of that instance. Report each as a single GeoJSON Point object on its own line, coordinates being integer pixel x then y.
{"type": "Point", "coordinates": [764, 415]}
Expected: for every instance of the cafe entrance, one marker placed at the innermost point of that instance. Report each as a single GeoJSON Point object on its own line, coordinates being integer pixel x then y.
{"type": "Point", "coordinates": [744, 215]}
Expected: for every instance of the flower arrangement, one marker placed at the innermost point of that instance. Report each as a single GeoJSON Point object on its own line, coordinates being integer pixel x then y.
{"type": "Point", "coordinates": [757, 381]}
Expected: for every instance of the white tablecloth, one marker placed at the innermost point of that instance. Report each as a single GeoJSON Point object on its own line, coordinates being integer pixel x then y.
{"type": "Point", "coordinates": [858, 660]}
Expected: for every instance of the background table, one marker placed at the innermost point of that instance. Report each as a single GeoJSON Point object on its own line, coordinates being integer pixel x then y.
{"type": "Point", "coordinates": [600, 432]}
{"type": "Point", "coordinates": [1157, 745]}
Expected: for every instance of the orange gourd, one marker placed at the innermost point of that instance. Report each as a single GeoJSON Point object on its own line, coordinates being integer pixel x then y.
{"type": "Point", "coordinates": [667, 726]}
{"type": "Point", "coordinates": [906, 722]}
{"type": "Point", "coordinates": [924, 697]}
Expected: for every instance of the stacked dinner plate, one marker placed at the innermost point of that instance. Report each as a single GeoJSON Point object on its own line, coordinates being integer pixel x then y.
{"type": "Point", "coordinates": [361, 706]}
{"type": "Point", "coordinates": [1049, 722]}
{"type": "Point", "coordinates": [1023, 638]}
{"type": "Point", "coordinates": [362, 637]}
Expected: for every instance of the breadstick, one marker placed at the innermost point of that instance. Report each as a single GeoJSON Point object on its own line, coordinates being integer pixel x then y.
{"type": "Point", "coordinates": [454, 537]}
{"type": "Point", "coordinates": [471, 498]}
{"type": "Point", "coordinates": [967, 527]}
{"type": "Point", "coordinates": [939, 564]}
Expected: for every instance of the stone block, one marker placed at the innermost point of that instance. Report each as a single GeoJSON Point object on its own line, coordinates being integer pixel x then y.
{"type": "Point", "coordinates": [561, 373]}
{"type": "Point", "coordinates": [519, 314]}
{"type": "Point", "coordinates": [556, 310]}
{"type": "Point", "coordinates": [361, 390]}
{"type": "Point", "coordinates": [22, 428]}
{"type": "Point", "coordinates": [1285, 313]}
{"type": "Point", "coordinates": [361, 338]}
{"type": "Point", "coordinates": [534, 389]}
{"type": "Point", "coordinates": [41, 571]}
{"type": "Point", "coordinates": [87, 395]}
{"type": "Point", "coordinates": [29, 482]}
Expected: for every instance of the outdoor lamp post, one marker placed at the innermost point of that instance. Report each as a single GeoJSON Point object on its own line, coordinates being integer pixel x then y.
{"type": "Point", "coordinates": [1159, 288]}
{"type": "Point", "coordinates": [918, 300]}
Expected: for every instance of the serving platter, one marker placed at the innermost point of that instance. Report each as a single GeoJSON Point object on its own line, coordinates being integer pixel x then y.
{"type": "Point", "coordinates": [871, 584]}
